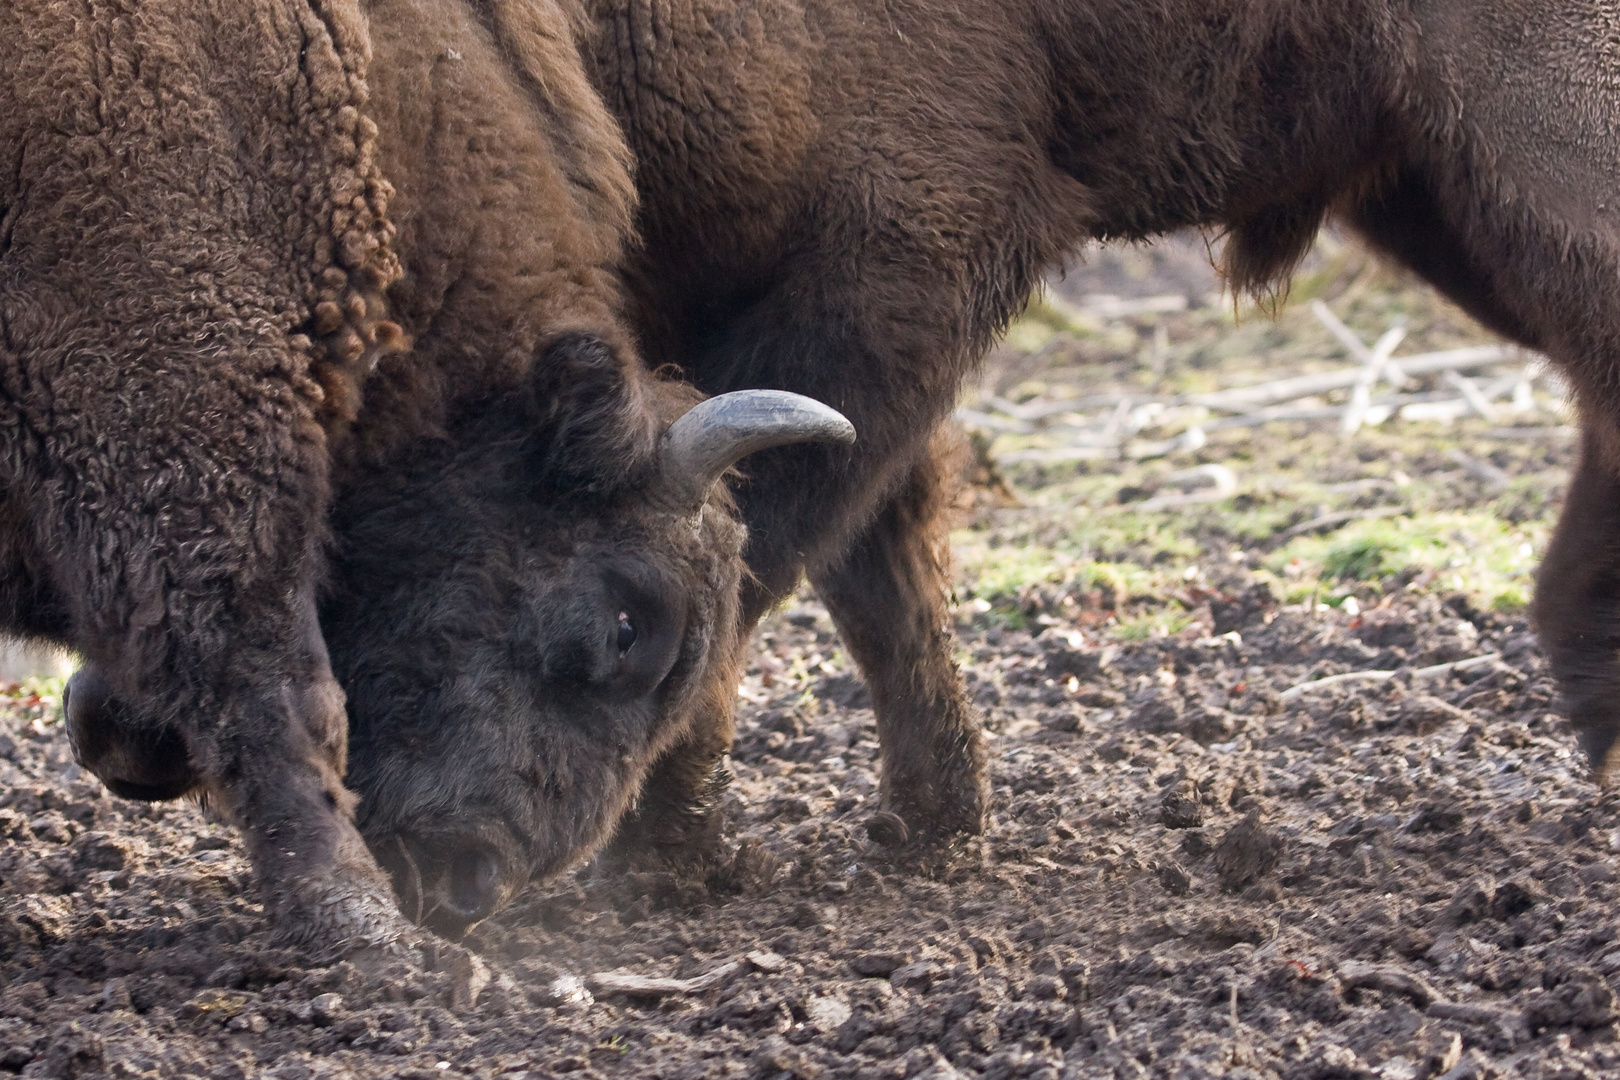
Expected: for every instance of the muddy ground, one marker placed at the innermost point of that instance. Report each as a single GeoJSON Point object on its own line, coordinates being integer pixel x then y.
{"type": "Point", "coordinates": [1189, 873]}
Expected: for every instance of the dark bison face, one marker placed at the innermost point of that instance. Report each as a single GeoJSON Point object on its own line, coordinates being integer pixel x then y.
{"type": "Point", "coordinates": [515, 661]}
{"type": "Point", "coordinates": [520, 640]}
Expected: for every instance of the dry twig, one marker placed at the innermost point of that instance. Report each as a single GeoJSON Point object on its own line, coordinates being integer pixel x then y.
{"type": "Point", "coordinates": [1381, 676]}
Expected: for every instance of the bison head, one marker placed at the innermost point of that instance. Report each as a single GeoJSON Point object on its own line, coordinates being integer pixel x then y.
{"type": "Point", "coordinates": [526, 620]}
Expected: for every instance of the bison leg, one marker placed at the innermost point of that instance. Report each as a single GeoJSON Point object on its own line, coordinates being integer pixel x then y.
{"type": "Point", "coordinates": [1504, 198]}
{"type": "Point", "coordinates": [260, 733]}
{"type": "Point", "coordinates": [1578, 603]}
{"type": "Point", "coordinates": [187, 578]}
{"type": "Point", "coordinates": [1509, 269]}
{"type": "Point", "coordinates": [677, 822]}
{"type": "Point", "coordinates": [888, 595]}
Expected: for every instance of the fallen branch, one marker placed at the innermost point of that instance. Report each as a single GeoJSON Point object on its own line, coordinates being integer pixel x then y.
{"type": "Point", "coordinates": [1381, 676]}
{"type": "Point", "coordinates": [1376, 364]}
{"type": "Point", "coordinates": [1436, 411]}
{"type": "Point", "coordinates": [1347, 337]}
{"type": "Point", "coordinates": [1471, 394]}
{"type": "Point", "coordinates": [1290, 389]}
{"type": "Point", "coordinates": [1191, 439]}
{"type": "Point", "coordinates": [632, 985]}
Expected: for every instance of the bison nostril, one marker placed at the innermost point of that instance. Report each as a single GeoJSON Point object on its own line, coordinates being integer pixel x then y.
{"type": "Point", "coordinates": [474, 876]}
{"type": "Point", "coordinates": [84, 703]}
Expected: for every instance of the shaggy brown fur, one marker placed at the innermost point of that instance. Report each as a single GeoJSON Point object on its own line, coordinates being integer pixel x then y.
{"type": "Point", "coordinates": [850, 198]}
{"type": "Point", "coordinates": [196, 236]}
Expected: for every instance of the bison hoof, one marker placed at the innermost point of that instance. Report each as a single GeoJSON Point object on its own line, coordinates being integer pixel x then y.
{"type": "Point", "coordinates": [135, 762]}
{"type": "Point", "coordinates": [887, 828]}
{"type": "Point", "coordinates": [351, 916]}
{"type": "Point", "coordinates": [928, 815]}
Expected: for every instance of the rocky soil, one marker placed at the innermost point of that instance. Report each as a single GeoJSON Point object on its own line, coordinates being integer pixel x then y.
{"type": "Point", "coordinates": [1186, 877]}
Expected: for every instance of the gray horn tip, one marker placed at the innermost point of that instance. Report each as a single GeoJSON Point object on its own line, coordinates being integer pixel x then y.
{"type": "Point", "coordinates": [716, 434]}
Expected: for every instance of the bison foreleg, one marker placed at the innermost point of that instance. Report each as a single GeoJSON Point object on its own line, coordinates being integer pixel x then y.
{"type": "Point", "coordinates": [1577, 606]}
{"type": "Point", "coordinates": [678, 823]}
{"type": "Point", "coordinates": [887, 595]}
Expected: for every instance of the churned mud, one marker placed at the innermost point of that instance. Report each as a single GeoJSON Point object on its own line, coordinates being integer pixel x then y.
{"type": "Point", "coordinates": [1185, 877]}
{"type": "Point", "coordinates": [1191, 871]}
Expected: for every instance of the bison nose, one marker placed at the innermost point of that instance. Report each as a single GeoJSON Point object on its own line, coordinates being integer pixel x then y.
{"type": "Point", "coordinates": [475, 879]}
{"type": "Point", "coordinates": [134, 761]}
{"type": "Point", "coordinates": [84, 702]}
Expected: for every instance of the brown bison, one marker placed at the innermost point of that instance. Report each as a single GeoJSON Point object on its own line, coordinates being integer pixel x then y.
{"type": "Point", "coordinates": [850, 198]}
{"type": "Point", "coordinates": [221, 227]}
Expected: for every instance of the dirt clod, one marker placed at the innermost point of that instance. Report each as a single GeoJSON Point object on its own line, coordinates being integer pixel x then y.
{"type": "Point", "coordinates": [1249, 851]}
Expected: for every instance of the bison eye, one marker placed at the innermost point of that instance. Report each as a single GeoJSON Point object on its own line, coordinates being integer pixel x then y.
{"type": "Point", "coordinates": [627, 633]}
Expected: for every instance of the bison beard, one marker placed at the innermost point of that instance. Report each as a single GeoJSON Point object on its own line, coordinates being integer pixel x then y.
{"type": "Point", "coordinates": [195, 350]}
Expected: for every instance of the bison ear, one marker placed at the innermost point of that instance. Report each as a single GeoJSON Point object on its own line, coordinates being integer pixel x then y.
{"type": "Point", "coordinates": [594, 423]}
{"type": "Point", "coordinates": [699, 447]}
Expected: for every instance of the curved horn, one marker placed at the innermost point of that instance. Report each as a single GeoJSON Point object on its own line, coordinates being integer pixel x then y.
{"type": "Point", "coordinates": [714, 435]}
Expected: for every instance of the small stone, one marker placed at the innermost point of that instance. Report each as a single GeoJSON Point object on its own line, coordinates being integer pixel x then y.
{"type": "Point", "coordinates": [919, 977]}
{"type": "Point", "coordinates": [98, 851]}
{"type": "Point", "coordinates": [879, 965]}
{"type": "Point", "coordinates": [1047, 988]}
{"type": "Point", "coordinates": [1196, 843]}
{"type": "Point", "coordinates": [1174, 878]}
{"type": "Point", "coordinates": [1436, 818]}
{"type": "Point", "coordinates": [115, 996]}
{"type": "Point", "coordinates": [566, 990]}
{"type": "Point", "coordinates": [1157, 711]}
{"type": "Point", "coordinates": [1117, 748]}
{"type": "Point", "coordinates": [326, 1009]}
{"type": "Point", "coordinates": [1180, 808]}
{"type": "Point", "coordinates": [1471, 902]}
{"type": "Point", "coordinates": [1516, 897]}
{"type": "Point", "coordinates": [825, 1012]}
{"type": "Point", "coordinates": [768, 962]}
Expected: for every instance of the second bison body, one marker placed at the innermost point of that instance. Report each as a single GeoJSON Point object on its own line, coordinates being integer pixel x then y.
{"type": "Point", "coordinates": [850, 199]}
